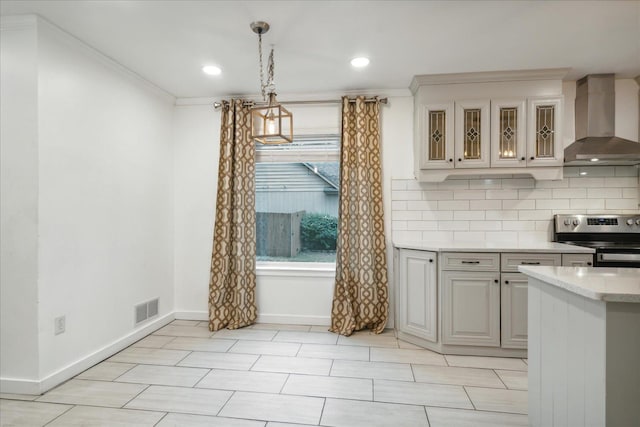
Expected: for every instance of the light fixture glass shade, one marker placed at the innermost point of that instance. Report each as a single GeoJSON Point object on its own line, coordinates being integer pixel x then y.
{"type": "Point", "coordinates": [271, 124]}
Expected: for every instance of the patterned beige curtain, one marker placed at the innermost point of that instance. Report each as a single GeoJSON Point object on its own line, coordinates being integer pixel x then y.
{"type": "Point", "coordinates": [360, 298]}
{"type": "Point", "coordinates": [232, 283]}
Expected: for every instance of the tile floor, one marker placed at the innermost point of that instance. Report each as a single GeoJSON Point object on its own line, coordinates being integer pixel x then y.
{"type": "Point", "coordinates": [278, 376]}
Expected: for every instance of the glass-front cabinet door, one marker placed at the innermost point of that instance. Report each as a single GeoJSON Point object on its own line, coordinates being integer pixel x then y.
{"type": "Point", "coordinates": [508, 133]}
{"type": "Point", "coordinates": [472, 134]}
{"type": "Point", "coordinates": [437, 150]}
{"type": "Point", "coordinates": [544, 132]}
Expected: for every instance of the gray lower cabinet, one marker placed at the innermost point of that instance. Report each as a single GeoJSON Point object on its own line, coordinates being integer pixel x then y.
{"type": "Point", "coordinates": [418, 304]}
{"type": "Point", "coordinates": [513, 293]}
{"type": "Point", "coordinates": [471, 308]}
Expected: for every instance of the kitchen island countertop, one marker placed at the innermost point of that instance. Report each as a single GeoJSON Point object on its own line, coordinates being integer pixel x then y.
{"type": "Point", "coordinates": [609, 284]}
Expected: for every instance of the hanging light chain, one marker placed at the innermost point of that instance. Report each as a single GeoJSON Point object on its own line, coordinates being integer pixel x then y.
{"type": "Point", "coordinates": [270, 66]}
{"type": "Point", "coordinates": [262, 85]}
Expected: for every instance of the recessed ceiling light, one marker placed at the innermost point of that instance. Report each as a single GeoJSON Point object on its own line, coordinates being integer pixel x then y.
{"type": "Point", "coordinates": [211, 70]}
{"type": "Point", "coordinates": [360, 62]}
{"type": "Point", "coordinates": [594, 159]}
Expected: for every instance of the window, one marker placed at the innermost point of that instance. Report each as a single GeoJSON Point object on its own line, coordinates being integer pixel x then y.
{"type": "Point", "coordinates": [297, 200]}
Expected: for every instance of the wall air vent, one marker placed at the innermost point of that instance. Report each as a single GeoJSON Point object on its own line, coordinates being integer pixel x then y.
{"type": "Point", "coordinates": [146, 310]}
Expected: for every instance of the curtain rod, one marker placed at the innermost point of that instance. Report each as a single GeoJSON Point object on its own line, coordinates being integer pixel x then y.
{"type": "Point", "coordinates": [217, 105]}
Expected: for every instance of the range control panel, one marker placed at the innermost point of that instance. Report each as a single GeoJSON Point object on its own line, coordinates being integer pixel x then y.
{"type": "Point", "coordinates": [597, 223]}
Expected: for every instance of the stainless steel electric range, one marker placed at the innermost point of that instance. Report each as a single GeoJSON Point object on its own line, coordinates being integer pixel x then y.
{"type": "Point", "coordinates": [616, 238]}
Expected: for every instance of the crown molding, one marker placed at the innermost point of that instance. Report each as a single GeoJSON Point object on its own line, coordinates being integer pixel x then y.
{"type": "Point", "coordinates": [488, 77]}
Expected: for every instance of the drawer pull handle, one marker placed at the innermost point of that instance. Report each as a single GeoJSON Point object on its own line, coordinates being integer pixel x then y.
{"type": "Point", "coordinates": [470, 262]}
{"type": "Point", "coordinates": [530, 263]}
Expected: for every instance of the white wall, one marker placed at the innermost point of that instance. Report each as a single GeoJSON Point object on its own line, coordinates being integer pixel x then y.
{"type": "Point", "coordinates": [103, 168]}
{"type": "Point", "coordinates": [19, 200]}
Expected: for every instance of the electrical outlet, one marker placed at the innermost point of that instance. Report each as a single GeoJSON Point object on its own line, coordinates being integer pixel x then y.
{"type": "Point", "coordinates": [59, 324]}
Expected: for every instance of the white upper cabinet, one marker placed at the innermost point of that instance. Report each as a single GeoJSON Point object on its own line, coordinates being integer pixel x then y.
{"type": "Point", "coordinates": [544, 133]}
{"type": "Point", "coordinates": [508, 133]}
{"type": "Point", "coordinates": [472, 134]}
{"type": "Point", "coordinates": [436, 151]}
{"type": "Point", "coordinates": [489, 123]}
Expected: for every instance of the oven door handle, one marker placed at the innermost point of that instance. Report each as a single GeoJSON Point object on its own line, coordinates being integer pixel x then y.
{"type": "Point", "coordinates": [619, 257]}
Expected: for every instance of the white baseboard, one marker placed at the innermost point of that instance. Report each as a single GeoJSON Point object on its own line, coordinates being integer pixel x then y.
{"type": "Point", "coordinates": [25, 386]}
{"type": "Point", "coordinates": [288, 319]}
{"type": "Point", "coordinates": [192, 315]}
{"type": "Point", "coordinates": [292, 319]}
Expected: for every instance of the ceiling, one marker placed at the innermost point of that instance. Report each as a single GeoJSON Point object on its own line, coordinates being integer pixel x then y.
{"type": "Point", "coordinates": [167, 42]}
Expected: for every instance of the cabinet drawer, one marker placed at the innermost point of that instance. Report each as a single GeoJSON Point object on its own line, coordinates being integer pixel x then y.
{"type": "Point", "coordinates": [510, 262]}
{"type": "Point", "coordinates": [577, 260]}
{"type": "Point", "coordinates": [461, 261]}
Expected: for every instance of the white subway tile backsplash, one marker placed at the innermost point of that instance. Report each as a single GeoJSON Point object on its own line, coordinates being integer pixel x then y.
{"type": "Point", "coordinates": [518, 183]}
{"type": "Point", "coordinates": [469, 236]}
{"type": "Point", "coordinates": [407, 216]}
{"type": "Point", "coordinates": [422, 205]}
{"type": "Point", "coordinates": [552, 204]}
{"type": "Point", "coordinates": [605, 193]}
{"type": "Point", "coordinates": [518, 225]}
{"type": "Point", "coordinates": [485, 204]}
{"type": "Point", "coordinates": [398, 184]}
{"type": "Point", "coordinates": [453, 205]}
{"type": "Point", "coordinates": [587, 204]}
{"type": "Point", "coordinates": [437, 215]}
{"type": "Point", "coordinates": [534, 194]}
{"type": "Point", "coordinates": [406, 195]}
{"type": "Point", "coordinates": [569, 193]}
{"type": "Point", "coordinates": [534, 214]}
{"type": "Point", "coordinates": [398, 205]}
{"type": "Point", "coordinates": [629, 181]}
{"type": "Point", "coordinates": [437, 195]}
{"type": "Point", "coordinates": [629, 193]}
{"type": "Point", "coordinates": [485, 225]}
{"type": "Point", "coordinates": [502, 215]}
{"type": "Point", "coordinates": [584, 182]}
{"type": "Point", "coordinates": [501, 236]}
{"type": "Point", "coordinates": [617, 204]}
{"type": "Point", "coordinates": [422, 225]}
{"type": "Point", "coordinates": [399, 225]}
{"type": "Point", "coordinates": [502, 194]}
{"type": "Point", "coordinates": [437, 235]}
{"type": "Point", "coordinates": [468, 195]}
{"type": "Point", "coordinates": [453, 225]}
{"type": "Point", "coordinates": [468, 215]}
{"type": "Point", "coordinates": [544, 226]}
{"type": "Point", "coordinates": [518, 204]}
{"type": "Point", "coordinates": [501, 209]}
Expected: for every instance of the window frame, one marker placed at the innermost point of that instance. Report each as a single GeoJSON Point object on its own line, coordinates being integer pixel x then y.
{"type": "Point", "coordinates": [271, 154]}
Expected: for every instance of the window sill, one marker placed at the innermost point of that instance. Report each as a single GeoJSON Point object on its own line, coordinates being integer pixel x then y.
{"type": "Point", "coordinates": [296, 269]}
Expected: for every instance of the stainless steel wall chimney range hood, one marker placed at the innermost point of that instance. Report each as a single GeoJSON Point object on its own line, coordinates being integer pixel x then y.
{"type": "Point", "coordinates": [595, 126]}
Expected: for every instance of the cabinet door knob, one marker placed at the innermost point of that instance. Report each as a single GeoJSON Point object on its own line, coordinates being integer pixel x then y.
{"type": "Point", "coordinates": [430, 260]}
{"type": "Point", "coordinates": [451, 160]}
{"type": "Point", "coordinates": [589, 263]}
{"type": "Point", "coordinates": [532, 158]}
{"type": "Point", "coordinates": [506, 282]}
{"type": "Point", "coordinates": [522, 158]}
{"type": "Point", "coordinates": [495, 281]}
{"type": "Point", "coordinates": [459, 160]}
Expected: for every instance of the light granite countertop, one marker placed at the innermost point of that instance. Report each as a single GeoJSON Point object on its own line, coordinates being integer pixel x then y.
{"type": "Point", "coordinates": [459, 246]}
{"type": "Point", "coordinates": [598, 283]}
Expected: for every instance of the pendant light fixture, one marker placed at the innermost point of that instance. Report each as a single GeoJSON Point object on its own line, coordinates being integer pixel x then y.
{"type": "Point", "coordinates": [272, 123]}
